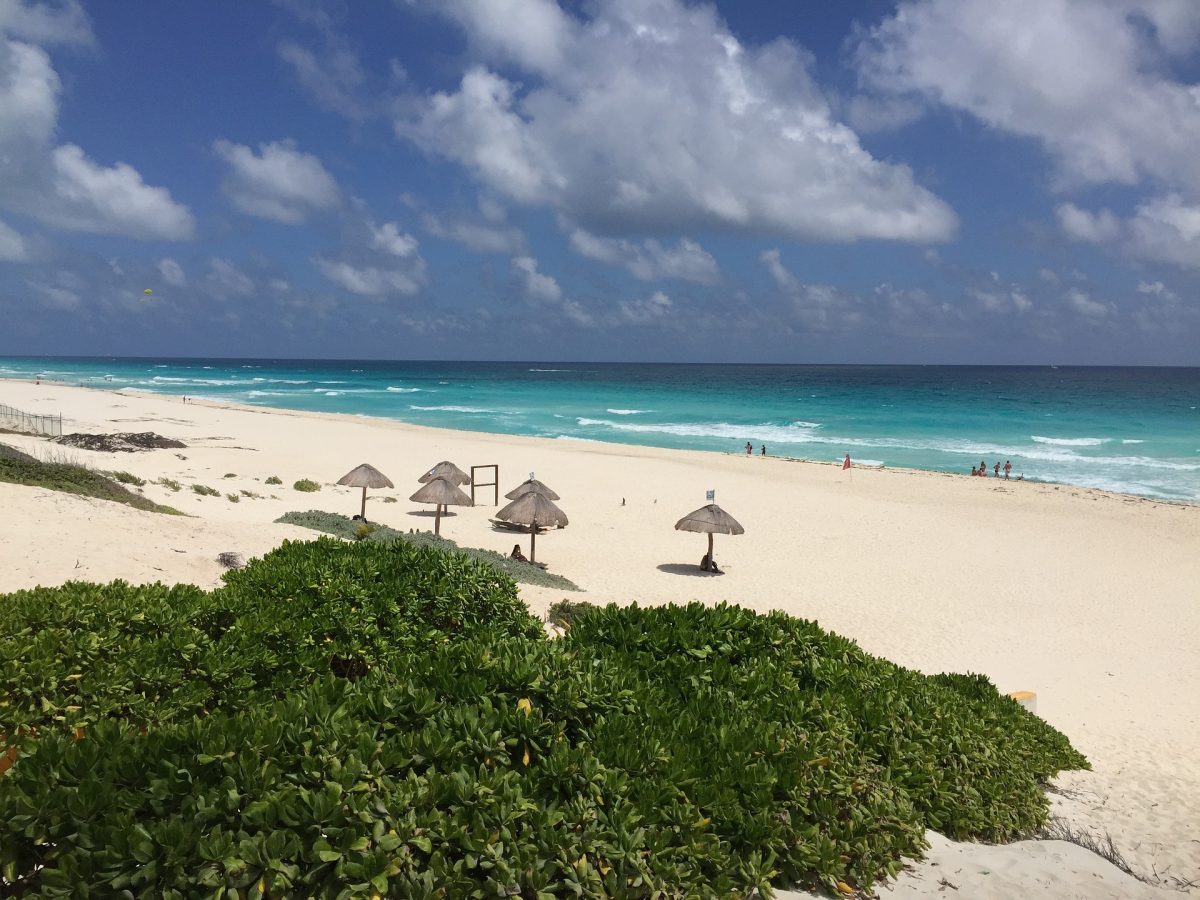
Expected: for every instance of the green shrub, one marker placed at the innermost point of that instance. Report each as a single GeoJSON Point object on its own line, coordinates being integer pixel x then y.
{"type": "Point", "coordinates": [363, 530]}
{"type": "Point", "coordinates": [170, 483]}
{"type": "Point", "coordinates": [205, 491]}
{"type": "Point", "coordinates": [250, 494]}
{"type": "Point", "coordinates": [564, 613]}
{"type": "Point", "coordinates": [679, 751]}
{"type": "Point", "coordinates": [71, 479]}
{"type": "Point", "coordinates": [128, 478]}
{"type": "Point", "coordinates": [390, 500]}
{"type": "Point", "coordinates": [274, 479]}
{"type": "Point", "coordinates": [307, 485]}
{"type": "Point", "coordinates": [344, 527]}
{"type": "Point", "coordinates": [231, 474]}
{"type": "Point", "coordinates": [233, 498]}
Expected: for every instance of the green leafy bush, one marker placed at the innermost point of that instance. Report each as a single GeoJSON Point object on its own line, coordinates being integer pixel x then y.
{"type": "Point", "coordinates": [72, 479]}
{"type": "Point", "coordinates": [274, 479]}
{"type": "Point", "coordinates": [679, 751]}
{"type": "Point", "coordinates": [565, 612]}
{"type": "Point", "coordinates": [344, 527]}
{"type": "Point", "coordinates": [233, 498]}
{"type": "Point", "coordinates": [205, 491]}
{"type": "Point", "coordinates": [307, 485]}
{"type": "Point", "coordinates": [363, 531]}
{"type": "Point", "coordinates": [128, 478]}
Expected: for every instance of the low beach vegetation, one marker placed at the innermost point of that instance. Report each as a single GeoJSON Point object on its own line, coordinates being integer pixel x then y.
{"type": "Point", "coordinates": [348, 529]}
{"type": "Point", "coordinates": [128, 478]}
{"type": "Point", "coordinates": [71, 478]}
{"type": "Point", "coordinates": [205, 491]}
{"type": "Point", "coordinates": [234, 498]}
{"type": "Point", "coordinates": [385, 718]}
{"type": "Point", "coordinates": [170, 484]}
{"type": "Point", "coordinates": [307, 485]}
{"type": "Point", "coordinates": [274, 479]}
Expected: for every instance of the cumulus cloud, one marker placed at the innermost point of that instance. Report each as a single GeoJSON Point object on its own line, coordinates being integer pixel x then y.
{"type": "Point", "coordinates": [387, 237]}
{"type": "Point", "coordinates": [654, 117]}
{"type": "Point", "coordinates": [60, 185]}
{"type": "Point", "coordinates": [650, 259]}
{"type": "Point", "coordinates": [226, 281]}
{"type": "Point", "coordinates": [486, 232]}
{"type": "Point", "coordinates": [12, 245]}
{"type": "Point", "coordinates": [651, 309]}
{"type": "Point", "coordinates": [172, 272]}
{"type": "Point", "coordinates": [536, 285]}
{"type": "Point", "coordinates": [1081, 225]}
{"type": "Point", "coordinates": [371, 281]}
{"type": "Point", "coordinates": [55, 296]}
{"type": "Point", "coordinates": [279, 183]}
{"type": "Point", "coordinates": [1167, 229]}
{"type": "Point", "coordinates": [46, 23]}
{"type": "Point", "coordinates": [1088, 80]}
{"type": "Point", "coordinates": [1082, 302]}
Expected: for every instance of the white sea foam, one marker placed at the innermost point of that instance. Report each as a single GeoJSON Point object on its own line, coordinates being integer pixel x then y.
{"type": "Point", "coordinates": [461, 409]}
{"type": "Point", "coordinates": [333, 393]}
{"type": "Point", "coordinates": [628, 412]}
{"type": "Point", "coordinates": [551, 370]}
{"type": "Point", "coordinates": [1132, 441]}
{"type": "Point", "coordinates": [403, 390]}
{"type": "Point", "coordinates": [1069, 442]}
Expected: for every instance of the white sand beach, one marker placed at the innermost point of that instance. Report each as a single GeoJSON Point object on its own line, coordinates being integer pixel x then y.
{"type": "Point", "coordinates": [1090, 599]}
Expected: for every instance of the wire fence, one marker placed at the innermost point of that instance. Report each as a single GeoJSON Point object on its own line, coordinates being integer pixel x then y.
{"type": "Point", "coordinates": [15, 420]}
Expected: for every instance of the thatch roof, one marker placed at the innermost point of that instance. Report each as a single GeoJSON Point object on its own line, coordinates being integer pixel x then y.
{"type": "Point", "coordinates": [449, 471]}
{"type": "Point", "coordinates": [710, 519]}
{"type": "Point", "coordinates": [441, 492]}
{"type": "Point", "coordinates": [365, 476]}
{"type": "Point", "coordinates": [532, 507]}
{"type": "Point", "coordinates": [531, 485]}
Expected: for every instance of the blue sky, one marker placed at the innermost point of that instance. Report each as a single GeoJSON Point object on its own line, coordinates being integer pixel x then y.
{"type": "Point", "coordinates": [941, 181]}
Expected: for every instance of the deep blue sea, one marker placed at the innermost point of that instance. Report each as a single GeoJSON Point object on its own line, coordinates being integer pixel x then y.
{"type": "Point", "coordinates": [1135, 430]}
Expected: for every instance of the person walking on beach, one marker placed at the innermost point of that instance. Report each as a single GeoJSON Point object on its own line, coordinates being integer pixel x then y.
{"type": "Point", "coordinates": [1007, 468]}
{"type": "Point", "coordinates": [997, 469]}
{"type": "Point", "coordinates": [764, 450]}
{"type": "Point", "coordinates": [749, 449]}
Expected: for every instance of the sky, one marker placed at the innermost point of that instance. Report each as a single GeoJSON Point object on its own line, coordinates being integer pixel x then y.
{"type": "Point", "coordinates": [890, 181]}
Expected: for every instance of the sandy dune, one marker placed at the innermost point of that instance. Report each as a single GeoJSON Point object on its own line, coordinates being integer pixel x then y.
{"type": "Point", "coordinates": [1090, 599]}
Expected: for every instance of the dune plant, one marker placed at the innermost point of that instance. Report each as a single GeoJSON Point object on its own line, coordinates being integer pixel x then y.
{"type": "Point", "coordinates": [274, 479]}
{"type": "Point", "coordinates": [128, 478]}
{"type": "Point", "coordinates": [205, 491]}
{"type": "Point", "coordinates": [307, 485]}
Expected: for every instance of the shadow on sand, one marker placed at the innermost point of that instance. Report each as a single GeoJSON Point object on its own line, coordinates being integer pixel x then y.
{"type": "Point", "coordinates": [692, 569]}
{"type": "Point", "coordinates": [429, 513]}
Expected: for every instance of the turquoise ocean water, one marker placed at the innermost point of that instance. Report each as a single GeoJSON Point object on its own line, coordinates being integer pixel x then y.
{"type": "Point", "coordinates": [1135, 430]}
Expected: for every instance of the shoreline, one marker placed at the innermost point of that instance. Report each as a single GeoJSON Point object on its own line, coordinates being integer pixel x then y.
{"type": "Point", "coordinates": [215, 403]}
{"type": "Point", "coordinates": [1084, 596]}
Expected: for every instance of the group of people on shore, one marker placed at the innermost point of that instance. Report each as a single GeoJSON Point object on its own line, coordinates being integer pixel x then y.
{"type": "Point", "coordinates": [981, 470]}
{"type": "Point", "coordinates": [750, 449]}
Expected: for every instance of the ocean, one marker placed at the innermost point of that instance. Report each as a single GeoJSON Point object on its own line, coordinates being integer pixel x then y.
{"type": "Point", "coordinates": [1135, 430]}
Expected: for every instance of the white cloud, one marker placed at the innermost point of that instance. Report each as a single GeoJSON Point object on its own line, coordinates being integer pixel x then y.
{"type": "Point", "coordinates": [536, 285]}
{"type": "Point", "coordinates": [1167, 229]}
{"type": "Point", "coordinates": [387, 237]}
{"type": "Point", "coordinates": [225, 280]}
{"type": "Point", "coordinates": [172, 272]}
{"type": "Point", "coordinates": [1081, 225]}
{"type": "Point", "coordinates": [1086, 79]}
{"type": "Point", "coordinates": [333, 77]}
{"type": "Point", "coordinates": [46, 23]}
{"type": "Point", "coordinates": [372, 281]}
{"type": "Point", "coordinates": [654, 308]}
{"type": "Point", "coordinates": [61, 186]}
{"type": "Point", "coordinates": [12, 245]}
{"type": "Point", "coordinates": [1011, 299]}
{"type": "Point", "coordinates": [785, 279]}
{"type": "Point", "coordinates": [654, 117]}
{"type": "Point", "coordinates": [1081, 301]}
{"type": "Point", "coordinates": [818, 308]}
{"type": "Point", "coordinates": [279, 183]}
{"type": "Point", "coordinates": [56, 296]}
{"type": "Point", "coordinates": [650, 260]}
{"type": "Point", "coordinates": [487, 232]}
{"type": "Point", "coordinates": [1156, 289]}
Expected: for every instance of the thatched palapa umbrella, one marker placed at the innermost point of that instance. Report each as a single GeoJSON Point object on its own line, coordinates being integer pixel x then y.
{"type": "Point", "coordinates": [710, 520]}
{"type": "Point", "coordinates": [531, 485]}
{"type": "Point", "coordinates": [365, 476]}
{"type": "Point", "coordinates": [442, 493]}
{"type": "Point", "coordinates": [533, 509]}
{"type": "Point", "coordinates": [449, 471]}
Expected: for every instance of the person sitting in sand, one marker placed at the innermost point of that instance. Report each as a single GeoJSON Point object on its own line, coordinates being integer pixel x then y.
{"type": "Point", "coordinates": [517, 554]}
{"type": "Point", "coordinates": [974, 471]}
{"type": "Point", "coordinates": [709, 565]}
